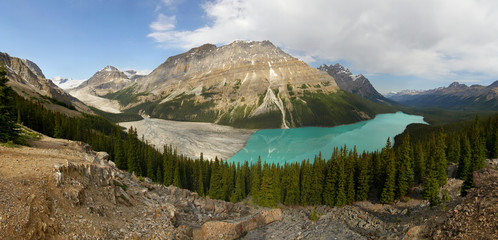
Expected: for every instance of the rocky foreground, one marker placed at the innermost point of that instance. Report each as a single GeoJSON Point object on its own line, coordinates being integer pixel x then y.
{"type": "Point", "coordinates": [60, 189]}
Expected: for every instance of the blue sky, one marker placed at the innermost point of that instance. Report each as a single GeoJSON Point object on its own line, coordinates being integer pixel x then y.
{"type": "Point", "coordinates": [397, 44]}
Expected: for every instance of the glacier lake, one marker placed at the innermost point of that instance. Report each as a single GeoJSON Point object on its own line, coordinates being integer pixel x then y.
{"type": "Point", "coordinates": [297, 144]}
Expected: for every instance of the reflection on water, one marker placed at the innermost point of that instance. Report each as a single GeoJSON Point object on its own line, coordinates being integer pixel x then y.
{"type": "Point", "coordinates": [296, 144]}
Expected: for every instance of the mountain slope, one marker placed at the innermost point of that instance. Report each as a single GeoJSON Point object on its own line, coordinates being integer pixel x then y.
{"type": "Point", "coordinates": [356, 84]}
{"type": "Point", "coordinates": [27, 79]}
{"type": "Point", "coordinates": [106, 81]}
{"type": "Point", "coordinates": [456, 97]}
{"type": "Point", "coordinates": [244, 84]}
{"type": "Point", "coordinates": [66, 83]}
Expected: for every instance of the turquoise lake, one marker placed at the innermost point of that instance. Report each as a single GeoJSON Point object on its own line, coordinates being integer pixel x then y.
{"type": "Point", "coordinates": [296, 144]}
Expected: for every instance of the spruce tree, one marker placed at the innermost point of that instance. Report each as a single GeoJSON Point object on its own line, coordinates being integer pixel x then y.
{"type": "Point", "coordinates": [350, 175]}
{"type": "Point", "coordinates": [255, 179]}
{"type": "Point", "coordinates": [119, 157]}
{"type": "Point", "coordinates": [7, 112]}
{"type": "Point", "coordinates": [363, 179]}
{"type": "Point", "coordinates": [240, 186]}
{"type": "Point", "coordinates": [330, 191]}
{"type": "Point", "coordinates": [292, 194]}
{"type": "Point", "coordinates": [419, 169]}
{"type": "Point", "coordinates": [306, 183]}
{"type": "Point", "coordinates": [388, 191]}
{"type": "Point", "coordinates": [201, 190]}
{"type": "Point", "coordinates": [404, 173]}
{"type": "Point", "coordinates": [439, 154]}
{"type": "Point", "coordinates": [133, 153]}
{"type": "Point", "coordinates": [431, 188]}
{"type": "Point", "coordinates": [177, 181]}
{"type": "Point", "coordinates": [266, 197]}
{"type": "Point", "coordinates": [340, 197]}
{"type": "Point", "coordinates": [216, 187]}
{"type": "Point", "coordinates": [464, 161]}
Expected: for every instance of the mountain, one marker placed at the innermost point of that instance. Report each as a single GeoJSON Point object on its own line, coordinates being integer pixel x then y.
{"type": "Point", "coordinates": [66, 83]}
{"type": "Point", "coordinates": [356, 84]}
{"type": "Point", "coordinates": [106, 81]}
{"type": "Point", "coordinates": [243, 84]}
{"type": "Point", "coordinates": [27, 79]}
{"type": "Point", "coordinates": [455, 97]}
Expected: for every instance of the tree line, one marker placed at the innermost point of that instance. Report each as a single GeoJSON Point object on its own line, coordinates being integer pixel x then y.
{"type": "Point", "coordinates": [343, 178]}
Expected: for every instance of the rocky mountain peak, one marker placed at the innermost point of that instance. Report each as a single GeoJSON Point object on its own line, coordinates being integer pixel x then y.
{"type": "Point", "coordinates": [357, 84]}
{"type": "Point", "coordinates": [33, 67]}
{"type": "Point", "coordinates": [109, 68]}
{"type": "Point", "coordinates": [457, 85]}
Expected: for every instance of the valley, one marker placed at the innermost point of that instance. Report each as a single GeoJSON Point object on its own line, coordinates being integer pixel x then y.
{"type": "Point", "coordinates": [192, 138]}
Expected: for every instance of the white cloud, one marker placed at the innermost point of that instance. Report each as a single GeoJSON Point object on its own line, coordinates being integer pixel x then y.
{"type": "Point", "coordinates": [427, 38]}
{"type": "Point", "coordinates": [163, 23]}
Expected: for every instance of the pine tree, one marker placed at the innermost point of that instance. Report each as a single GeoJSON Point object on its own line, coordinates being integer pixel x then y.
{"type": "Point", "coordinates": [340, 197]}
{"type": "Point", "coordinates": [419, 170]}
{"type": "Point", "coordinates": [431, 188]}
{"type": "Point", "coordinates": [464, 161]}
{"type": "Point", "coordinates": [133, 154]}
{"type": "Point", "coordinates": [306, 183]}
{"type": "Point", "coordinates": [216, 187]}
{"type": "Point", "coordinates": [266, 196]}
{"type": "Point", "coordinates": [255, 179]}
{"type": "Point", "coordinates": [292, 194]}
{"type": "Point", "coordinates": [388, 191]}
{"type": "Point", "coordinates": [177, 182]}
{"type": "Point", "coordinates": [7, 112]}
{"type": "Point", "coordinates": [404, 174]}
{"type": "Point", "coordinates": [119, 157]}
{"type": "Point", "coordinates": [240, 186]}
{"type": "Point", "coordinates": [350, 175]}
{"type": "Point", "coordinates": [439, 154]}
{"type": "Point", "coordinates": [201, 189]}
{"type": "Point", "coordinates": [363, 179]}
{"type": "Point", "coordinates": [330, 191]}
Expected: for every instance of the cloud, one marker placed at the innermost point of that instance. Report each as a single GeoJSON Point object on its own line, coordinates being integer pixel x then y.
{"type": "Point", "coordinates": [163, 23]}
{"type": "Point", "coordinates": [431, 39]}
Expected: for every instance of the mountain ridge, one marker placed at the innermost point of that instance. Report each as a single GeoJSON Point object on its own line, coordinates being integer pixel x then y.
{"type": "Point", "coordinates": [455, 97]}
{"type": "Point", "coordinates": [244, 84]}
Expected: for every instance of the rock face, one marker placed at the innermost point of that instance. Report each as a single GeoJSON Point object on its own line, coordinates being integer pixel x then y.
{"type": "Point", "coordinates": [356, 84]}
{"type": "Point", "coordinates": [27, 79]}
{"type": "Point", "coordinates": [237, 228]}
{"type": "Point", "coordinates": [456, 96]}
{"type": "Point", "coordinates": [243, 84]}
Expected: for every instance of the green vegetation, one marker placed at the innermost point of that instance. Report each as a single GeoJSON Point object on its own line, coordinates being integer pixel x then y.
{"type": "Point", "coordinates": [8, 129]}
{"type": "Point", "coordinates": [343, 178]}
{"type": "Point", "coordinates": [118, 117]}
{"type": "Point", "coordinates": [125, 96]}
{"type": "Point", "coordinates": [333, 109]}
{"type": "Point", "coordinates": [60, 103]}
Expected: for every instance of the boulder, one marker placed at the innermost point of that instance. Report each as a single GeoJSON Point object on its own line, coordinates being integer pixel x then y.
{"type": "Point", "coordinates": [237, 228]}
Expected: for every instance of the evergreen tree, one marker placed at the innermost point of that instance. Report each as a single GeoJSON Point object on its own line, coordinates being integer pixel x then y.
{"type": "Point", "coordinates": [330, 191]}
{"type": "Point", "coordinates": [133, 154]}
{"type": "Point", "coordinates": [439, 155]}
{"type": "Point", "coordinates": [201, 189]}
{"type": "Point", "coordinates": [464, 161]}
{"type": "Point", "coordinates": [119, 157]}
{"type": "Point", "coordinates": [363, 178]}
{"type": "Point", "coordinates": [419, 170]}
{"type": "Point", "coordinates": [240, 186]}
{"type": "Point", "coordinates": [350, 175]}
{"type": "Point", "coordinates": [292, 194]}
{"type": "Point", "coordinates": [404, 173]}
{"type": "Point", "coordinates": [216, 187]}
{"type": "Point", "coordinates": [431, 188]}
{"type": "Point", "coordinates": [7, 112]}
{"type": "Point", "coordinates": [306, 183]}
{"type": "Point", "coordinates": [388, 191]}
{"type": "Point", "coordinates": [255, 179]}
{"type": "Point", "coordinates": [340, 197]}
{"type": "Point", "coordinates": [177, 182]}
{"type": "Point", "coordinates": [266, 196]}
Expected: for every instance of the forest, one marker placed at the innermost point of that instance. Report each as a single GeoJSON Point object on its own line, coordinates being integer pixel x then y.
{"type": "Point", "coordinates": [421, 155]}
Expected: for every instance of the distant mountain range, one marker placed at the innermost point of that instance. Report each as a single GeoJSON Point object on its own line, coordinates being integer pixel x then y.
{"type": "Point", "coordinates": [356, 84]}
{"type": "Point", "coordinates": [455, 97]}
{"type": "Point", "coordinates": [242, 84]}
{"type": "Point", "coordinates": [28, 80]}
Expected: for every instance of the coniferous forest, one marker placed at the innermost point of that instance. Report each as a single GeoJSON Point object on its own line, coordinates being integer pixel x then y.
{"type": "Point", "coordinates": [343, 178]}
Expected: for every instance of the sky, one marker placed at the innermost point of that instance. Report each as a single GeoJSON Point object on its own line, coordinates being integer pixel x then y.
{"type": "Point", "coordinates": [397, 44]}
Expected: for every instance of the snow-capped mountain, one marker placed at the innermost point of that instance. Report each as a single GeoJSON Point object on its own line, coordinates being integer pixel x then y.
{"type": "Point", "coordinates": [356, 84]}
{"type": "Point", "coordinates": [66, 83]}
